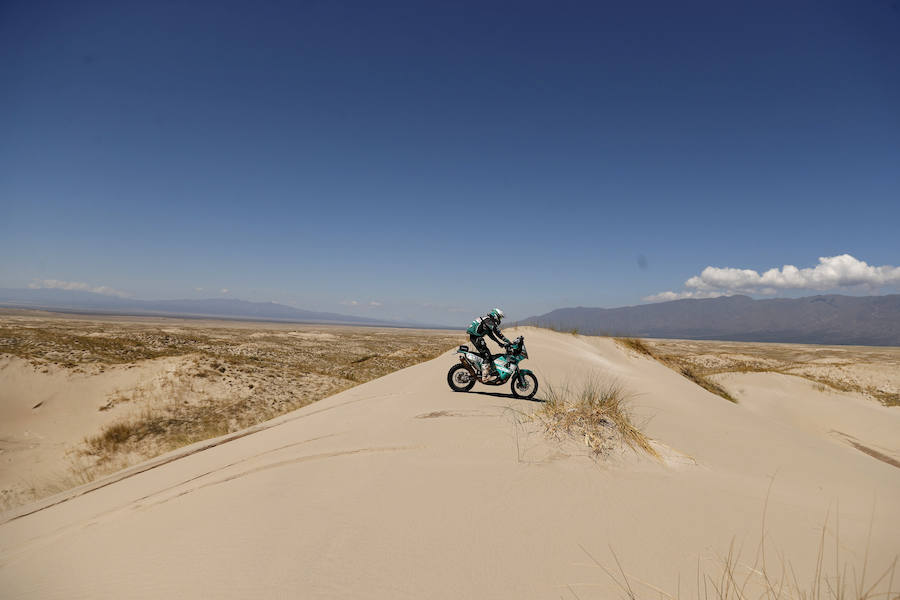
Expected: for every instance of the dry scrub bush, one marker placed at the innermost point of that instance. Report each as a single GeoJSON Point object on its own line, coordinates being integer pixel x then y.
{"type": "Point", "coordinates": [597, 412]}
{"type": "Point", "coordinates": [705, 382]}
{"type": "Point", "coordinates": [166, 429]}
{"type": "Point", "coordinates": [687, 370]}
{"type": "Point", "coordinates": [638, 345]}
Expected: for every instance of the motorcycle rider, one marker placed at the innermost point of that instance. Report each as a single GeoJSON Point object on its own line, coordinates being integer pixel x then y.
{"type": "Point", "coordinates": [488, 325]}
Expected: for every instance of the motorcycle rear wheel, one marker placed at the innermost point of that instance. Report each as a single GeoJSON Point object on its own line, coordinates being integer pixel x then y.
{"type": "Point", "coordinates": [460, 379]}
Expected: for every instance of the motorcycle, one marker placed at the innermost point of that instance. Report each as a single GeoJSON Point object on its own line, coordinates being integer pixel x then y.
{"type": "Point", "coordinates": [524, 383]}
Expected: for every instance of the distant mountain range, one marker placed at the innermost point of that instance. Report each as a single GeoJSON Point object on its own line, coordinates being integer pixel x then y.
{"type": "Point", "coordinates": [80, 301]}
{"type": "Point", "coordinates": [832, 319]}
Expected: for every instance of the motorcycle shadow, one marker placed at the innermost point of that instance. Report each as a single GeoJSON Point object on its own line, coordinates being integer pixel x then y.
{"type": "Point", "coordinates": [499, 395]}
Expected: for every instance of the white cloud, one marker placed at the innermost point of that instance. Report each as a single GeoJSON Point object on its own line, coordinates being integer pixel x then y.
{"type": "Point", "coordinates": [223, 291]}
{"type": "Point", "coordinates": [198, 289]}
{"type": "Point", "coordinates": [666, 296]}
{"type": "Point", "coordinates": [56, 284]}
{"type": "Point", "coordinates": [832, 272]}
{"type": "Point", "coordinates": [375, 303]}
{"type": "Point", "coordinates": [349, 302]}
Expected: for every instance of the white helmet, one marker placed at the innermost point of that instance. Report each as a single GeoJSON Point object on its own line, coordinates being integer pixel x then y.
{"type": "Point", "coordinates": [498, 314]}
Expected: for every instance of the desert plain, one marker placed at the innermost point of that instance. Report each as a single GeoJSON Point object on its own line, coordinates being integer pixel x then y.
{"type": "Point", "coordinates": [149, 458]}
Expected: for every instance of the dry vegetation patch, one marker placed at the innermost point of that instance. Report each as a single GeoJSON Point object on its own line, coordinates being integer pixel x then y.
{"type": "Point", "coordinates": [871, 371]}
{"type": "Point", "coordinates": [636, 344]}
{"type": "Point", "coordinates": [229, 376]}
{"type": "Point", "coordinates": [596, 412]}
{"type": "Point", "coordinates": [687, 369]}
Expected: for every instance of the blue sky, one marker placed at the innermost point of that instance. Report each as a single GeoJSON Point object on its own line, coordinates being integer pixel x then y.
{"type": "Point", "coordinates": [428, 161]}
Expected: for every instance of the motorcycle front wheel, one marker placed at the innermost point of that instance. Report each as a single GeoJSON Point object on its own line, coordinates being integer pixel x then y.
{"type": "Point", "coordinates": [526, 388]}
{"type": "Point", "coordinates": [460, 379]}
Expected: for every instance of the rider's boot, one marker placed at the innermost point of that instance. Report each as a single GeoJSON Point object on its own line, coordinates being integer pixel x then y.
{"type": "Point", "coordinates": [488, 373]}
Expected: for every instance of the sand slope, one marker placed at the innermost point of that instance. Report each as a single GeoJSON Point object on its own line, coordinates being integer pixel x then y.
{"type": "Point", "coordinates": [400, 488]}
{"type": "Point", "coordinates": [44, 414]}
{"type": "Point", "coordinates": [815, 409]}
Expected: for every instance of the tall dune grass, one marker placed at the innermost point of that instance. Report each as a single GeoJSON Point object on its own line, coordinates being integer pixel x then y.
{"type": "Point", "coordinates": [833, 578]}
{"type": "Point", "coordinates": [596, 412]}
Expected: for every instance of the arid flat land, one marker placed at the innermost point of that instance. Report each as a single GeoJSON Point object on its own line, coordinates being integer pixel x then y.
{"type": "Point", "coordinates": [81, 396]}
{"type": "Point", "coordinates": [872, 371]}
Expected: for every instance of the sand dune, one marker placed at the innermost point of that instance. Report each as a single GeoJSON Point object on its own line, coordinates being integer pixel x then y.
{"type": "Point", "coordinates": [816, 410]}
{"type": "Point", "coordinates": [81, 397]}
{"type": "Point", "coordinates": [400, 488]}
{"type": "Point", "coordinates": [45, 414]}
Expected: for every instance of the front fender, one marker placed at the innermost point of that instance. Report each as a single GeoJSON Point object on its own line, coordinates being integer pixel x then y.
{"type": "Point", "coordinates": [520, 373]}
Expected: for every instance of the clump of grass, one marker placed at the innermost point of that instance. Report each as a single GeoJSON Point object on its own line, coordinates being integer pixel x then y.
{"type": "Point", "coordinates": [158, 429]}
{"type": "Point", "coordinates": [597, 412]}
{"type": "Point", "coordinates": [890, 398]}
{"type": "Point", "coordinates": [687, 370]}
{"type": "Point", "coordinates": [705, 382]}
{"type": "Point", "coordinates": [636, 344]}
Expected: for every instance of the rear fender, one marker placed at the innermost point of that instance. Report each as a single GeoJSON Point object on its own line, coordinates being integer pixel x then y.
{"type": "Point", "coordinates": [467, 363]}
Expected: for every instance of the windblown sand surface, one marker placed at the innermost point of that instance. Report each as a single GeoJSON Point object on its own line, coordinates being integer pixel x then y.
{"type": "Point", "coordinates": [84, 396]}
{"type": "Point", "coordinates": [400, 488]}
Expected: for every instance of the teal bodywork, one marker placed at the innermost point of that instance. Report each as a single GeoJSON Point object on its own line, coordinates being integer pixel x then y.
{"type": "Point", "coordinates": [506, 366]}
